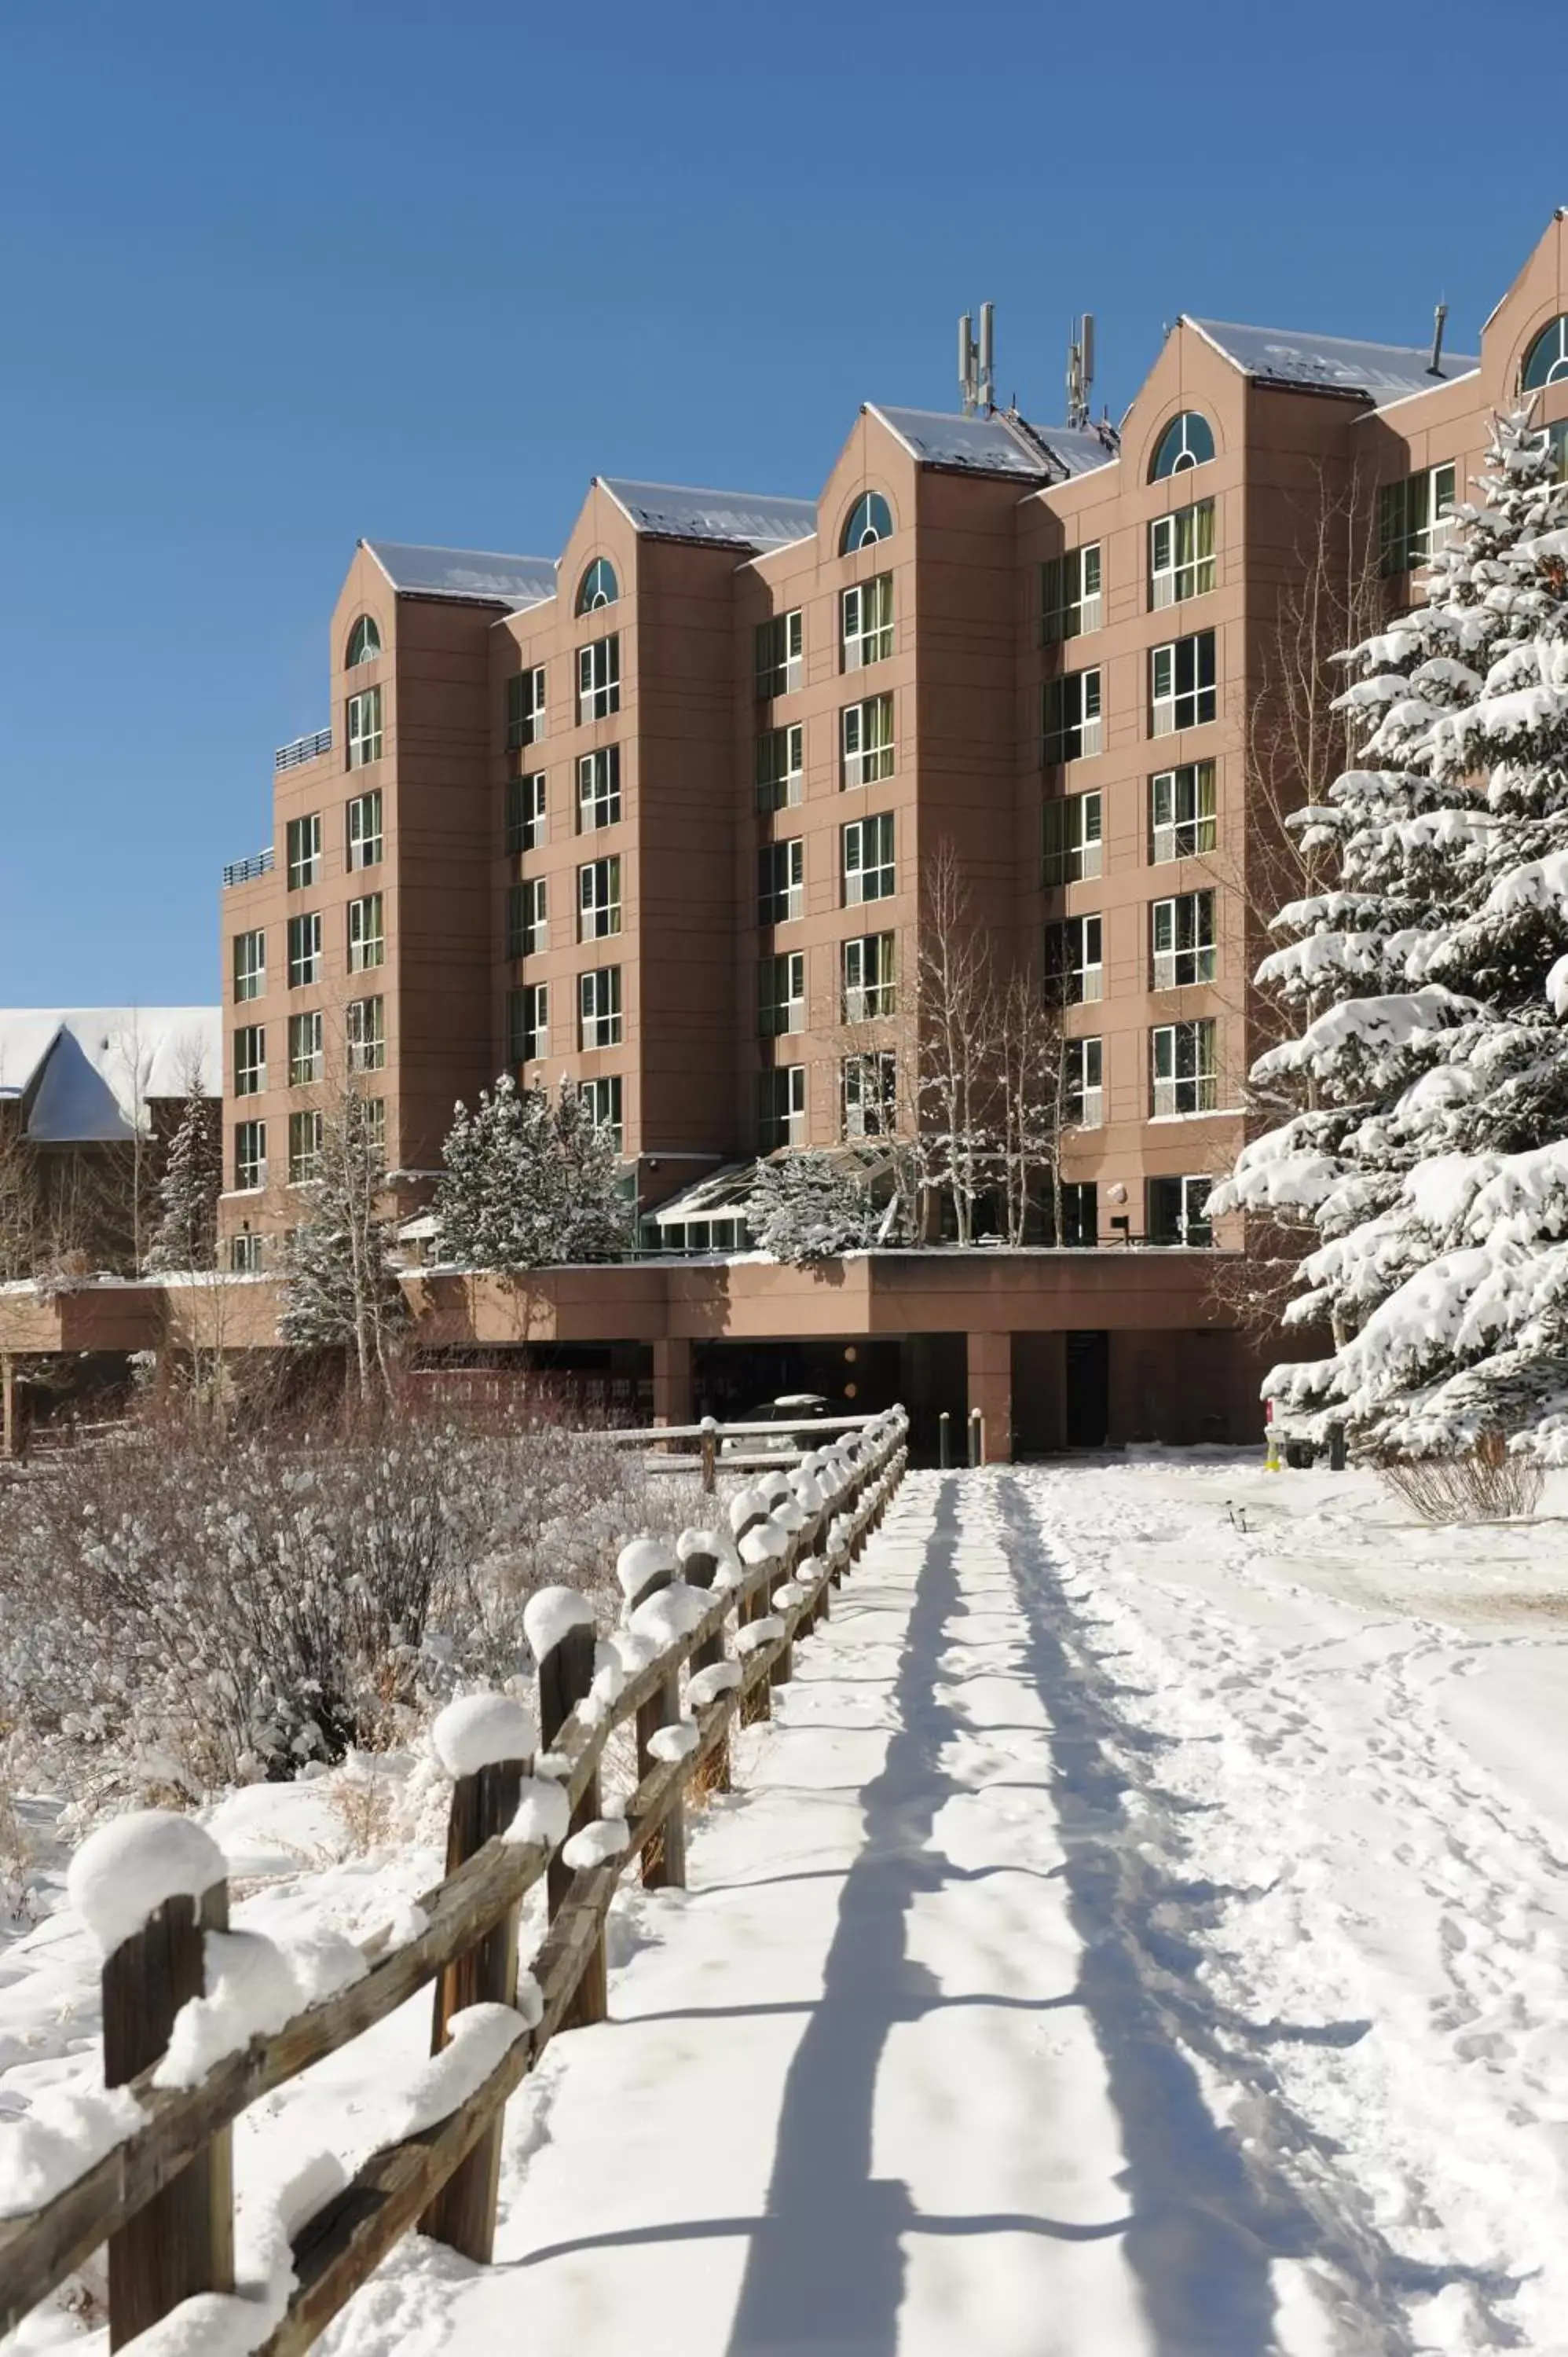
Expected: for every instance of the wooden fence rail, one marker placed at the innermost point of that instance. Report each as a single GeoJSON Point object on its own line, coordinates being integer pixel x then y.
{"type": "Point", "coordinates": [162, 2197]}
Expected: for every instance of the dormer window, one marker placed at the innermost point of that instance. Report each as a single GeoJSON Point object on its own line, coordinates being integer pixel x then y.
{"type": "Point", "coordinates": [364, 642]}
{"type": "Point", "coordinates": [1188, 441]}
{"type": "Point", "coordinates": [599, 587]}
{"type": "Point", "coordinates": [870, 520]}
{"type": "Point", "coordinates": [1546, 362]}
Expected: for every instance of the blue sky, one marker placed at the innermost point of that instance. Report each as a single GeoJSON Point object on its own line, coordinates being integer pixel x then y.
{"type": "Point", "coordinates": [273, 277]}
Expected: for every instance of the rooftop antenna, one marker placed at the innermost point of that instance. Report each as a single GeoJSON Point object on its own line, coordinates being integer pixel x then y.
{"type": "Point", "coordinates": [968, 366]}
{"type": "Point", "coordinates": [1080, 370]}
{"type": "Point", "coordinates": [1439, 320]}
{"type": "Point", "coordinates": [988, 357]}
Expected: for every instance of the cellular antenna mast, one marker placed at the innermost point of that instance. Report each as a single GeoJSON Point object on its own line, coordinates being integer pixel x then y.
{"type": "Point", "coordinates": [1439, 321]}
{"type": "Point", "coordinates": [977, 362]}
{"type": "Point", "coordinates": [1080, 371]}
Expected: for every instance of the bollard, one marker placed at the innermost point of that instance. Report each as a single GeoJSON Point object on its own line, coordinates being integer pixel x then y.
{"type": "Point", "coordinates": [709, 1446]}
{"type": "Point", "coordinates": [976, 1437]}
{"type": "Point", "coordinates": [1338, 1452]}
{"type": "Point", "coordinates": [944, 1430]}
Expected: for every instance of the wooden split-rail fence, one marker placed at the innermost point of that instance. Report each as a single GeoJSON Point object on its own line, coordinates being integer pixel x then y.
{"type": "Point", "coordinates": [162, 2199]}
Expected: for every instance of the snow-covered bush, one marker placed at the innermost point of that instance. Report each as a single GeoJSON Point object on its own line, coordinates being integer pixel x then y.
{"type": "Point", "coordinates": [1489, 1483]}
{"type": "Point", "coordinates": [528, 1179]}
{"type": "Point", "coordinates": [811, 1207]}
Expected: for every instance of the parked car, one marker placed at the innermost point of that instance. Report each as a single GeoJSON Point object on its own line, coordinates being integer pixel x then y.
{"type": "Point", "coordinates": [793, 1412]}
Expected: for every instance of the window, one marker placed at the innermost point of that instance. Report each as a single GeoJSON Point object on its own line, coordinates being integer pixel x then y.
{"type": "Point", "coordinates": [1183, 1068]}
{"type": "Point", "coordinates": [244, 1255]}
{"type": "Point", "coordinates": [249, 966]}
{"type": "Point", "coordinates": [781, 882]}
{"type": "Point", "coordinates": [1073, 720]}
{"type": "Point", "coordinates": [598, 789]}
{"type": "Point", "coordinates": [1075, 970]}
{"type": "Point", "coordinates": [870, 520]}
{"type": "Point", "coordinates": [868, 1095]}
{"type": "Point", "coordinates": [364, 840]}
{"type": "Point", "coordinates": [867, 739]}
{"type": "Point", "coordinates": [250, 1154]}
{"type": "Point", "coordinates": [1181, 683]}
{"type": "Point", "coordinates": [375, 1112]}
{"type": "Point", "coordinates": [1557, 443]}
{"type": "Point", "coordinates": [1181, 554]}
{"type": "Point", "coordinates": [780, 761]}
{"type": "Point", "coordinates": [1183, 941]}
{"type": "Point", "coordinates": [1188, 441]}
{"type": "Point", "coordinates": [1069, 595]}
{"type": "Point", "coordinates": [1072, 839]}
{"type": "Point", "coordinates": [782, 994]}
{"type": "Point", "coordinates": [524, 708]}
{"type": "Point", "coordinates": [598, 899]}
{"type": "Point", "coordinates": [866, 860]}
{"type": "Point", "coordinates": [598, 586]}
{"type": "Point", "coordinates": [367, 933]}
{"type": "Point", "coordinates": [603, 1101]}
{"type": "Point", "coordinates": [364, 727]}
{"type": "Point", "coordinates": [365, 1034]}
{"type": "Point", "coordinates": [1081, 1213]}
{"type": "Point", "coordinates": [303, 950]}
{"type": "Point", "coordinates": [598, 678]}
{"type": "Point", "coordinates": [1181, 811]}
{"type": "Point", "coordinates": [865, 623]}
{"type": "Point", "coordinates": [306, 1061]}
{"type": "Point", "coordinates": [525, 813]}
{"type": "Point", "coordinates": [528, 1023]}
{"type": "Point", "coordinates": [250, 1060]}
{"type": "Point", "coordinates": [1173, 1212]}
{"type": "Point", "coordinates": [1415, 517]}
{"type": "Point", "coordinates": [304, 1148]}
{"type": "Point", "coordinates": [527, 918]}
{"type": "Point", "coordinates": [599, 1009]}
{"type": "Point", "coordinates": [870, 977]}
{"type": "Point", "coordinates": [1546, 362]}
{"type": "Point", "coordinates": [364, 642]}
{"type": "Point", "coordinates": [1084, 1090]}
{"type": "Point", "coordinates": [304, 852]}
{"type": "Point", "coordinates": [780, 662]}
{"type": "Point", "coordinates": [780, 1108]}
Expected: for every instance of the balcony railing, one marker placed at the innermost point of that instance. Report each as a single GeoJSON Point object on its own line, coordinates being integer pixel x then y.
{"type": "Point", "coordinates": [241, 871]}
{"type": "Point", "coordinates": [303, 748]}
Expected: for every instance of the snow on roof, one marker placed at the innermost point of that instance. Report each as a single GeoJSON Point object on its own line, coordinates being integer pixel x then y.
{"type": "Point", "coordinates": [84, 1072]}
{"type": "Point", "coordinates": [466, 572]}
{"type": "Point", "coordinates": [974, 445]}
{"type": "Point", "coordinates": [1376, 373]}
{"type": "Point", "coordinates": [732, 519]}
{"type": "Point", "coordinates": [1079, 449]}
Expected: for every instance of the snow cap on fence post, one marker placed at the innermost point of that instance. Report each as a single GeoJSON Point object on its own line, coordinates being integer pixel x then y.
{"type": "Point", "coordinates": [550, 1614]}
{"type": "Point", "coordinates": [643, 1565]}
{"type": "Point", "coordinates": [129, 1869]}
{"type": "Point", "coordinates": [766, 1540]}
{"type": "Point", "coordinates": [481, 1730]}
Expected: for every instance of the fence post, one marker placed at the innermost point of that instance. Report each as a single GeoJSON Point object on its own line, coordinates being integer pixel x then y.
{"type": "Point", "coordinates": [710, 1445]}
{"type": "Point", "coordinates": [746, 1511]}
{"type": "Point", "coordinates": [701, 1567]}
{"type": "Point", "coordinates": [463, 2214]}
{"type": "Point", "coordinates": [182, 2241]}
{"type": "Point", "coordinates": [566, 1675]}
{"type": "Point", "coordinates": [664, 1857]}
{"type": "Point", "coordinates": [783, 1669]}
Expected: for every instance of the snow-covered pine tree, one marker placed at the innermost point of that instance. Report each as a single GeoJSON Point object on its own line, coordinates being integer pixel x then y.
{"type": "Point", "coordinates": [528, 1179]}
{"type": "Point", "coordinates": [810, 1207]}
{"type": "Point", "coordinates": [1428, 1147]}
{"type": "Point", "coordinates": [340, 1285]}
{"type": "Point", "coordinates": [187, 1234]}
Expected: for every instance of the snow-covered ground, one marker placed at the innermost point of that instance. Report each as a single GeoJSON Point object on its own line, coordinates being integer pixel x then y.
{"type": "Point", "coordinates": [1140, 1931]}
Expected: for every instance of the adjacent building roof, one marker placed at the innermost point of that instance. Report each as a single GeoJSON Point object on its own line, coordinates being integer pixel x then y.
{"type": "Point", "coordinates": [477, 576]}
{"type": "Point", "coordinates": [84, 1075]}
{"type": "Point", "coordinates": [1375, 372]}
{"type": "Point", "coordinates": [970, 446]}
{"type": "Point", "coordinates": [755, 520]}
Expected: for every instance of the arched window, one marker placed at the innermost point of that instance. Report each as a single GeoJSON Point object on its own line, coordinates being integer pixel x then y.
{"type": "Point", "coordinates": [1188, 441]}
{"type": "Point", "coordinates": [870, 520]}
{"type": "Point", "coordinates": [599, 587]}
{"type": "Point", "coordinates": [1546, 362]}
{"type": "Point", "coordinates": [364, 642]}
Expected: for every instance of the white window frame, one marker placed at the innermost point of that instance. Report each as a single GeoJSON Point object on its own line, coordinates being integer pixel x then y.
{"type": "Point", "coordinates": [1175, 575]}
{"type": "Point", "coordinates": [530, 1022]}
{"type": "Point", "coordinates": [603, 1098]}
{"type": "Point", "coordinates": [305, 1158]}
{"type": "Point", "coordinates": [865, 622]}
{"type": "Point", "coordinates": [250, 966]}
{"type": "Point", "coordinates": [1427, 521]}
{"type": "Point", "coordinates": [365, 1034]}
{"type": "Point", "coordinates": [245, 1253]}
{"type": "Point", "coordinates": [1194, 1190]}
{"type": "Point", "coordinates": [782, 994]}
{"type": "Point", "coordinates": [598, 789]}
{"type": "Point", "coordinates": [598, 898]}
{"type": "Point", "coordinates": [781, 785]}
{"type": "Point", "coordinates": [779, 673]}
{"type": "Point", "coordinates": [526, 803]}
{"type": "Point", "coordinates": [1082, 733]}
{"type": "Point", "coordinates": [305, 953]}
{"type": "Point", "coordinates": [363, 836]}
{"type": "Point", "coordinates": [867, 861]}
{"type": "Point", "coordinates": [525, 707]}
{"type": "Point", "coordinates": [303, 845]}
{"type": "Point", "coordinates": [306, 1049]}
{"type": "Point", "coordinates": [781, 904]}
{"type": "Point", "coordinates": [869, 977]}
{"type": "Point", "coordinates": [866, 754]}
{"type": "Point", "coordinates": [251, 1060]}
{"type": "Point", "coordinates": [363, 731]}
{"type": "Point", "coordinates": [869, 1112]}
{"type": "Point", "coordinates": [781, 1128]}
{"type": "Point", "coordinates": [1173, 1091]}
{"type": "Point", "coordinates": [599, 1009]}
{"type": "Point", "coordinates": [598, 678]}
{"type": "Point", "coordinates": [367, 933]}
{"type": "Point", "coordinates": [1183, 947]}
{"type": "Point", "coordinates": [1180, 826]}
{"type": "Point", "coordinates": [1081, 974]}
{"type": "Point", "coordinates": [1076, 855]}
{"type": "Point", "coordinates": [1071, 593]}
{"type": "Point", "coordinates": [1174, 706]}
{"type": "Point", "coordinates": [1085, 1082]}
{"type": "Point", "coordinates": [250, 1156]}
{"type": "Point", "coordinates": [534, 931]}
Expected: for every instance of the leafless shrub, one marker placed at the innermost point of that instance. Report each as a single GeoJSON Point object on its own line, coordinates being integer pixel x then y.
{"type": "Point", "coordinates": [1489, 1484]}
{"type": "Point", "coordinates": [362, 1802]}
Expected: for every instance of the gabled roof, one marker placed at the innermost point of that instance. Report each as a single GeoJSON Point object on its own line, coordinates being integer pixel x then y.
{"type": "Point", "coordinates": [1375, 372]}
{"type": "Point", "coordinates": [476, 577]}
{"type": "Point", "coordinates": [84, 1074]}
{"type": "Point", "coordinates": [968, 446]}
{"type": "Point", "coordinates": [755, 520]}
{"type": "Point", "coordinates": [1079, 449]}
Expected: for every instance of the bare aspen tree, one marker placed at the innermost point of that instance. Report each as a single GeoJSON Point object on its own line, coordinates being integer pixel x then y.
{"type": "Point", "coordinates": [959, 1019]}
